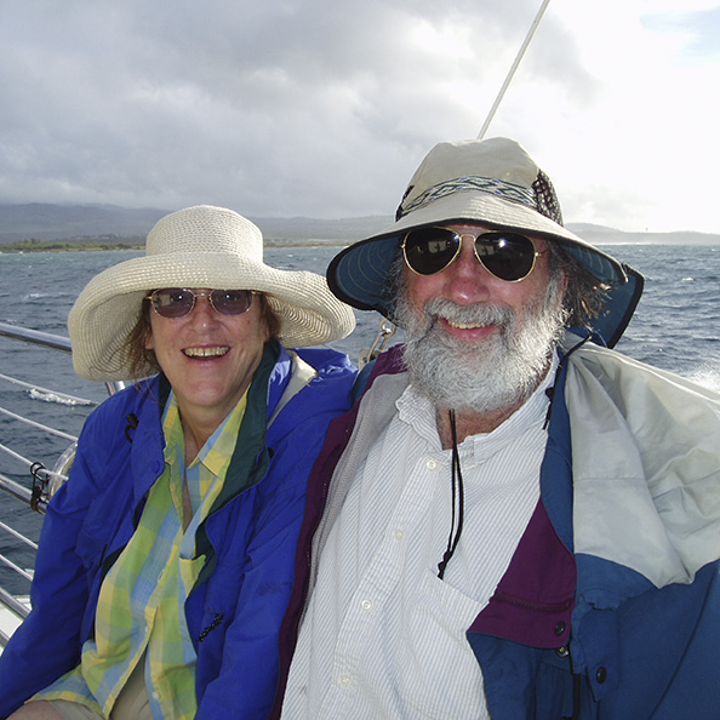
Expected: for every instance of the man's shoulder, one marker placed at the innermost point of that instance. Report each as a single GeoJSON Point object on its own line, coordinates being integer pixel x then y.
{"type": "Point", "coordinates": [613, 369]}
{"type": "Point", "coordinates": [388, 363]}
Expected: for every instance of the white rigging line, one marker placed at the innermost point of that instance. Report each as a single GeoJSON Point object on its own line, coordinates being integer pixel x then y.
{"type": "Point", "coordinates": [38, 425]}
{"type": "Point", "coordinates": [514, 67]}
{"type": "Point", "coordinates": [30, 463]}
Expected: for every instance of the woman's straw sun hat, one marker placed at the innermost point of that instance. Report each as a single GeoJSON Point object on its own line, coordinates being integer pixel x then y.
{"type": "Point", "coordinates": [198, 247]}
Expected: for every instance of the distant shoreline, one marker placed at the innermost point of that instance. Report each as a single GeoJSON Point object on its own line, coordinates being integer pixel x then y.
{"type": "Point", "coordinates": [26, 246]}
{"type": "Point", "coordinates": [33, 246]}
{"type": "Point", "coordinates": [598, 239]}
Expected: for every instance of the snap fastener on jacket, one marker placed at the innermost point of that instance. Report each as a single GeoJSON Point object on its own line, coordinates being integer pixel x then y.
{"type": "Point", "coordinates": [601, 675]}
{"type": "Point", "coordinates": [562, 651]}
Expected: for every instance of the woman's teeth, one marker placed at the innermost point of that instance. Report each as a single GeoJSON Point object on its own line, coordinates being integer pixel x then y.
{"type": "Point", "coordinates": [206, 351]}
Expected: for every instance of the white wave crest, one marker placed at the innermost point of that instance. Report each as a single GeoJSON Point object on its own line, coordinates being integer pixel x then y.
{"type": "Point", "coordinates": [708, 377]}
{"type": "Point", "coordinates": [51, 397]}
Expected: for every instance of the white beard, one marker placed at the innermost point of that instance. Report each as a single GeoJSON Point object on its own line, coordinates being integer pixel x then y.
{"type": "Point", "coordinates": [482, 376]}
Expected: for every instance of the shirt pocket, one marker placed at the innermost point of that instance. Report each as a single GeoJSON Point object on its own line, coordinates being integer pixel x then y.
{"type": "Point", "coordinates": [440, 677]}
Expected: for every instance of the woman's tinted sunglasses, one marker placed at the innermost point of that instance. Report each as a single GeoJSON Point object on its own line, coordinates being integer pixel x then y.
{"type": "Point", "coordinates": [178, 302]}
{"type": "Point", "coordinates": [506, 255]}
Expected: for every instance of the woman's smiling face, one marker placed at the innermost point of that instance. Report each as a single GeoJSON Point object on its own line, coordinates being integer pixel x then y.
{"type": "Point", "coordinates": [209, 358]}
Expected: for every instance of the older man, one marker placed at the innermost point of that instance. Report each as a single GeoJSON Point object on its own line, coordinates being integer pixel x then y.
{"type": "Point", "coordinates": [514, 522]}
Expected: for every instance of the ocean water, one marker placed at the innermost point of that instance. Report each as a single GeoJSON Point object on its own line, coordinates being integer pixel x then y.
{"type": "Point", "coordinates": [676, 327]}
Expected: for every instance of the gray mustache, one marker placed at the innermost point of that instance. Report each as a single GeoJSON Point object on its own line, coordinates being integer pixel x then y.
{"type": "Point", "coordinates": [477, 314]}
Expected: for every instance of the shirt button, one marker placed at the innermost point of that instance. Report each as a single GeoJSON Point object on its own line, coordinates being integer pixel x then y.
{"type": "Point", "coordinates": [398, 534]}
{"type": "Point", "coordinates": [366, 605]}
{"type": "Point", "coordinates": [431, 464]}
{"type": "Point", "coordinates": [156, 696]}
{"type": "Point", "coordinates": [560, 628]}
{"type": "Point", "coordinates": [344, 680]}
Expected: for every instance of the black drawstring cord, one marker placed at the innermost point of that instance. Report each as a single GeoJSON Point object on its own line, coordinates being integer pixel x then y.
{"type": "Point", "coordinates": [577, 687]}
{"type": "Point", "coordinates": [550, 392]}
{"type": "Point", "coordinates": [458, 500]}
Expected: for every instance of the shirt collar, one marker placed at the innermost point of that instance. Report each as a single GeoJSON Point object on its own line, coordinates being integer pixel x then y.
{"type": "Point", "coordinates": [218, 448]}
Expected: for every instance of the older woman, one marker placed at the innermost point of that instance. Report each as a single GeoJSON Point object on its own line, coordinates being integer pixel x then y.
{"type": "Point", "coordinates": [165, 562]}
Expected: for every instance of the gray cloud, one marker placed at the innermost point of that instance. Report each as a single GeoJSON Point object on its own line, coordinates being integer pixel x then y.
{"type": "Point", "coordinates": [275, 108]}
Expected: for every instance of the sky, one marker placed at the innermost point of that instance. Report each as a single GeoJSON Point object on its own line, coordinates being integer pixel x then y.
{"type": "Point", "coordinates": [324, 108]}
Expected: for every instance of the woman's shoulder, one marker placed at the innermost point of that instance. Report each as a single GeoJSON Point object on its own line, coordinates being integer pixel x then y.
{"type": "Point", "coordinates": [129, 401]}
{"type": "Point", "coordinates": [328, 362]}
{"type": "Point", "coordinates": [329, 378]}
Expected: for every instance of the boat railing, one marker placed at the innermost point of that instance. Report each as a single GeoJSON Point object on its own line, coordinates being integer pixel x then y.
{"type": "Point", "coordinates": [30, 497]}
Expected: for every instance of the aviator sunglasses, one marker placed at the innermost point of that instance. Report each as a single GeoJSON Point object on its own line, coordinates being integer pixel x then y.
{"type": "Point", "coordinates": [506, 255]}
{"type": "Point", "coordinates": [178, 302]}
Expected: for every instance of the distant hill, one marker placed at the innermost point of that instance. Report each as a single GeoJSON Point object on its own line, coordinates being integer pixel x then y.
{"type": "Point", "coordinates": [113, 224]}
{"type": "Point", "coordinates": [74, 222]}
{"type": "Point", "coordinates": [601, 235]}
{"type": "Point", "coordinates": [105, 223]}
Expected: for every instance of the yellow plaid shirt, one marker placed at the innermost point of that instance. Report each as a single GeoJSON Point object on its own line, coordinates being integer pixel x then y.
{"type": "Point", "coordinates": [141, 603]}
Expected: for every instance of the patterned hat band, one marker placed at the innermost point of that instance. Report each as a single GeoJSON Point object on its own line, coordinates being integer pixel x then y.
{"type": "Point", "coordinates": [541, 197]}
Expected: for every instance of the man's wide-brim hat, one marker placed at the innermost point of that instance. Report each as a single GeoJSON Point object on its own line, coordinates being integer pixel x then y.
{"type": "Point", "coordinates": [491, 182]}
{"type": "Point", "coordinates": [198, 247]}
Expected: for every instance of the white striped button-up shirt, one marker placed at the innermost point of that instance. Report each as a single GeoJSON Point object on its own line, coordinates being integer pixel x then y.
{"type": "Point", "coordinates": [383, 636]}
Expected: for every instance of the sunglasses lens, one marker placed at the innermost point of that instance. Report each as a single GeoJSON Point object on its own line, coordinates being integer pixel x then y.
{"type": "Point", "coordinates": [506, 255]}
{"type": "Point", "coordinates": [173, 302]}
{"type": "Point", "coordinates": [178, 302]}
{"type": "Point", "coordinates": [429, 250]}
{"type": "Point", "coordinates": [231, 302]}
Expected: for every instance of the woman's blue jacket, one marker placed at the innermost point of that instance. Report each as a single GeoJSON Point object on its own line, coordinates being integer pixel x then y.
{"type": "Point", "coordinates": [249, 539]}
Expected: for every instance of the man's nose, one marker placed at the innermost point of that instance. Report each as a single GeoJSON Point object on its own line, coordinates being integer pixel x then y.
{"type": "Point", "coordinates": [467, 277]}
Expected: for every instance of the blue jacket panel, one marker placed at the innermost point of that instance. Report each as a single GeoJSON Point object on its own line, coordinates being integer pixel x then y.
{"type": "Point", "coordinates": [634, 651]}
{"type": "Point", "coordinates": [249, 538]}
